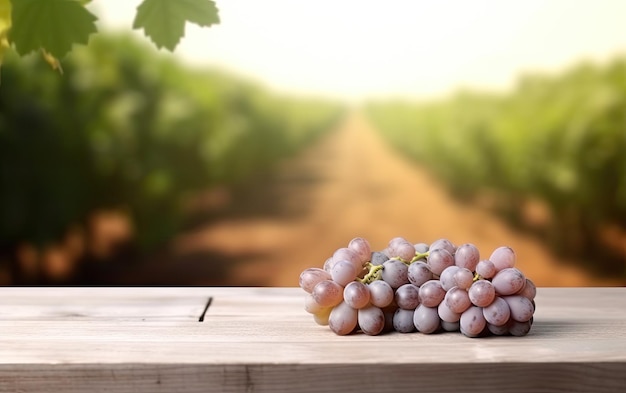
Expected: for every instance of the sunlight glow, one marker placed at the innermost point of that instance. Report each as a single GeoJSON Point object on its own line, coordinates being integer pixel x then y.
{"type": "Point", "coordinates": [356, 49]}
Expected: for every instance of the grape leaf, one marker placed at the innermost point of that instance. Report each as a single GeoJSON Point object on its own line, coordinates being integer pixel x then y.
{"type": "Point", "coordinates": [54, 25]}
{"type": "Point", "coordinates": [164, 20]}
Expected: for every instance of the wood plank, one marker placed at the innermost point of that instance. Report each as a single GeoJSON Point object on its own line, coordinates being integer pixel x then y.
{"type": "Point", "coordinates": [260, 339]}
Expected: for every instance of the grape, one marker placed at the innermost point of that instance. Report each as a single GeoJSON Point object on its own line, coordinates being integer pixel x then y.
{"type": "Point", "coordinates": [350, 255]}
{"type": "Point", "coordinates": [426, 319]}
{"type": "Point", "coordinates": [482, 293]}
{"type": "Point", "coordinates": [407, 297]}
{"type": "Point", "coordinates": [486, 269]}
{"type": "Point", "coordinates": [519, 328]}
{"type": "Point", "coordinates": [521, 308]}
{"type": "Point", "coordinates": [463, 278]}
{"type": "Point", "coordinates": [438, 260]}
{"type": "Point", "coordinates": [498, 330]}
{"type": "Point", "coordinates": [420, 248]}
{"type": "Point", "coordinates": [371, 320]}
{"type": "Point", "coordinates": [378, 258]}
{"type": "Point", "coordinates": [361, 247]}
{"type": "Point", "coordinates": [418, 273]}
{"type": "Point", "coordinates": [402, 249]}
{"type": "Point", "coordinates": [472, 321]}
{"type": "Point", "coordinates": [450, 326]}
{"type": "Point", "coordinates": [310, 277]}
{"type": "Point", "coordinates": [327, 293]}
{"type": "Point", "coordinates": [449, 289]}
{"type": "Point", "coordinates": [343, 272]}
{"type": "Point", "coordinates": [446, 314]}
{"type": "Point", "coordinates": [321, 317]}
{"type": "Point", "coordinates": [502, 258]}
{"type": "Point", "coordinates": [508, 281]}
{"type": "Point", "coordinates": [457, 299]}
{"type": "Point", "coordinates": [403, 321]}
{"type": "Point", "coordinates": [396, 240]}
{"type": "Point", "coordinates": [329, 264]}
{"type": "Point", "coordinates": [467, 256]}
{"type": "Point", "coordinates": [356, 295]}
{"type": "Point", "coordinates": [497, 313]}
{"type": "Point", "coordinates": [529, 290]}
{"type": "Point", "coordinates": [447, 277]}
{"type": "Point", "coordinates": [443, 244]}
{"type": "Point", "coordinates": [395, 273]}
{"type": "Point", "coordinates": [381, 293]}
{"type": "Point", "coordinates": [343, 319]}
{"type": "Point", "coordinates": [431, 293]}
{"type": "Point", "coordinates": [311, 306]}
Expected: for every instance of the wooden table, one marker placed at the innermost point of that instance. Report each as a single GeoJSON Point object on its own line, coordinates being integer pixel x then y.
{"type": "Point", "coordinates": [261, 340]}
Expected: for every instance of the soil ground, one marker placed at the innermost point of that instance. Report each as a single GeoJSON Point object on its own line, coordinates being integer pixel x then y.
{"type": "Point", "coordinates": [348, 184]}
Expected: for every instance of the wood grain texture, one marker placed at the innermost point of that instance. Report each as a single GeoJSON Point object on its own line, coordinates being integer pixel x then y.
{"type": "Point", "coordinates": [261, 340]}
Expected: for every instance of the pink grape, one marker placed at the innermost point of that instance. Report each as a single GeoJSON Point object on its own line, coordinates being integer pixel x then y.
{"type": "Point", "coordinates": [371, 320]}
{"type": "Point", "coordinates": [472, 321]}
{"type": "Point", "coordinates": [343, 272]}
{"type": "Point", "coordinates": [403, 321]}
{"type": "Point", "coordinates": [426, 319]}
{"type": "Point", "coordinates": [381, 293]}
{"type": "Point", "coordinates": [343, 319]}
{"type": "Point", "coordinates": [481, 293]}
{"type": "Point", "coordinates": [418, 273]}
{"type": "Point", "coordinates": [508, 281]}
{"type": "Point", "coordinates": [431, 293]}
{"type": "Point", "coordinates": [522, 309]}
{"type": "Point", "coordinates": [311, 306]}
{"type": "Point", "coordinates": [327, 293]}
{"type": "Point", "coordinates": [356, 294]}
{"type": "Point", "coordinates": [463, 278]}
{"type": "Point", "coordinates": [467, 256]}
{"type": "Point", "coordinates": [395, 273]}
{"type": "Point", "coordinates": [446, 314]}
{"type": "Point", "coordinates": [529, 290]}
{"type": "Point", "coordinates": [361, 247]}
{"type": "Point", "coordinates": [350, 255]}
{"type": "Point", "coordinates": [486, 269]}
{"type": "Point", "coordinates": [402, 249]}
{"type": "Point", "coordinates": [498, 330]}
{"type": "Point", "coordinates": [443, 244]}
{"type": "Point", "coordinates": [497, 313]}
{"type": "Point", "coordinates": [438, 260]}
{"type": "Point", "coordinates": [502, 258]}
{"type": "Point", "coordinates": [310, 277]}
{"type": "Point", "coordinates": [447, 277]}
{"type": "Point", "coordinates": [457, 299]}
{"type": "Point", "coordinates": [519, 328]}
{"type": "Point", "coordinates": [407, 296]}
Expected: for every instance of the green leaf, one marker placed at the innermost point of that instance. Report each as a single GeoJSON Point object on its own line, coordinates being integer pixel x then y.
{"type": "Point", "coordinates": [164, 20]}
{"type": "Point", "coordinates": [54, 25]}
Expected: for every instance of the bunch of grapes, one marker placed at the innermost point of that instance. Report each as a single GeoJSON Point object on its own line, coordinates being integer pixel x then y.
{"type": "Point", "coordinates": [419, 287]}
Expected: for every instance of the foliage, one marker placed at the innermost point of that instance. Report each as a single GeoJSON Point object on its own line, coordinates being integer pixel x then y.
{"type": "Point", "coordinates": [127, 127]}
{"type": "Point", "coordinates": [558, 140]}
{"type": "Point", "coordinates": [54, 26]}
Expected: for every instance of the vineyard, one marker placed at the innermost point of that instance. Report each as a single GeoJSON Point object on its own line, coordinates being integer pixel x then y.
{"type": "Point", "coordinates": [127, 128]}
{"type": "Point", "coordinates": [550, 155]}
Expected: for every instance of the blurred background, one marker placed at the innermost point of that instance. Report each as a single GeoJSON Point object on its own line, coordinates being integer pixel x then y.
{"type": "Point", "coordinates": [264, 143]}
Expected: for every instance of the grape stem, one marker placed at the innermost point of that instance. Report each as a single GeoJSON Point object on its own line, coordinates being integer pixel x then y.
{"type": "Point", "coordinates": [373, 274]}
{"type": "Point", "coordinates": [374, 270]}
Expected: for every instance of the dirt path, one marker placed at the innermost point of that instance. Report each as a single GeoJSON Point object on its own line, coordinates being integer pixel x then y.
{"type": "Point", "coordinates": [358, 186]}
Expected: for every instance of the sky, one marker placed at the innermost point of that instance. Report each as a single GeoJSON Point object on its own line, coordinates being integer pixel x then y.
{"type": "Point", "coordinates": [359, 49]}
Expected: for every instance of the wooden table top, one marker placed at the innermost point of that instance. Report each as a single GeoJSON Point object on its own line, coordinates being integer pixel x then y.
{"type": "Point", "coordinates": [261, 340]}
